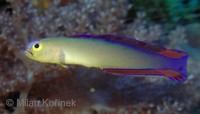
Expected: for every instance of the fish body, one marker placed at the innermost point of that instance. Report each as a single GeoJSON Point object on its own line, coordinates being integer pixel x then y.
{"type": "Point", "coordinates": [113, 53]}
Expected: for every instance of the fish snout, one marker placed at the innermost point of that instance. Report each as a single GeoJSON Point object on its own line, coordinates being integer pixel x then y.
{"type": "Point", "coordinates": [28, 52]}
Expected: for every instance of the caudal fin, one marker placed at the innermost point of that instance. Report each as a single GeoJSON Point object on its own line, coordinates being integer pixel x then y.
{"type": "Point", "coordinates": [177, 63]}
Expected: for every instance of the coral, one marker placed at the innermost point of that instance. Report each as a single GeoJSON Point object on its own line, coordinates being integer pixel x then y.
{"type": "Point", "coordinates": [95, 91]}
{"type": "Point", "coordinates": [141, 30]}
{"type": "Point", "coordinates": [168, 11]}
{"type": "Point", "coordinates": [177, 38]}
{"type": "Point", "coordinates": [12, 70]}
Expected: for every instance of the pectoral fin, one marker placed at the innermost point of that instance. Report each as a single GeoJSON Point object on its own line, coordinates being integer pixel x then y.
{"type": "Point", "coordinates": [61, 58]}
{"type": "Point", "coordinates": [63, 65]}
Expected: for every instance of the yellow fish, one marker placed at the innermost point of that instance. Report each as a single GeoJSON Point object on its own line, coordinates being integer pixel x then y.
{"type": "Point", "coordinates": [112, 53]}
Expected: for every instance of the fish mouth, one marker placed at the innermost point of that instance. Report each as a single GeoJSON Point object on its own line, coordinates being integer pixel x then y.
{"type": "Point", "coordinates": [27, 51]}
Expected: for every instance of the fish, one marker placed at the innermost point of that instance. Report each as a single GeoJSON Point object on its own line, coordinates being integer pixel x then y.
{"type": "Point", "coordinates": [114, 54]}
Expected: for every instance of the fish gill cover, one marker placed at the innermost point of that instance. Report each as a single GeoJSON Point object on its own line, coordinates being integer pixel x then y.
{"type": "Point", "coordinates": [92, 90]}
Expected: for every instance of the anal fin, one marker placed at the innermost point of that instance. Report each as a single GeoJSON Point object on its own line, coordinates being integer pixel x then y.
{"type": "Point", "coordinates": [171, 74]}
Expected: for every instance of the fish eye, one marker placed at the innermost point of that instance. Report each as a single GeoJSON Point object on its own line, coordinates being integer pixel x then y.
{"type": "Point", "coordinates": [37, 47]}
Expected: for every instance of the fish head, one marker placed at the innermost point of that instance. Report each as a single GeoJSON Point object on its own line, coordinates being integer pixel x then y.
{"type": "Point", "coordinates": [39, 51]}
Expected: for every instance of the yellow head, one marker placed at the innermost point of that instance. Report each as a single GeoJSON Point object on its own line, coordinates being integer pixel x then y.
{"type": "Point", "coordinates": [42, 51]}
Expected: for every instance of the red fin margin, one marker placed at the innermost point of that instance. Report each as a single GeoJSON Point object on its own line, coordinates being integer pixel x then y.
{"type": "Point", "coordinates": [172, 53]}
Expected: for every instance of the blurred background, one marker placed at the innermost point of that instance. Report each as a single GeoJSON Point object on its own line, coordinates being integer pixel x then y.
{"type": "Point", "coordinates": [174, 24]}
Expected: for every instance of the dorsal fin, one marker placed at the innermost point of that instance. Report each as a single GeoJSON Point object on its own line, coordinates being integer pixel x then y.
{"type": "Point", "coordinates": [123, 40]}
{"type": "Point", "coordinates": [131, 42]}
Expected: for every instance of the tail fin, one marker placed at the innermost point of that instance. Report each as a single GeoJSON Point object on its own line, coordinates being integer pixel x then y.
{"type": "Point", "coordinates": [177, 63]}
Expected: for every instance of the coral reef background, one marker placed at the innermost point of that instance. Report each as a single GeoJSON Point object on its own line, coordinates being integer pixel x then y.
{"type": "Point", "coordinates": [170, 23]}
